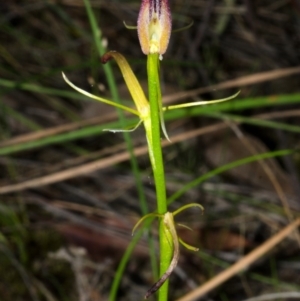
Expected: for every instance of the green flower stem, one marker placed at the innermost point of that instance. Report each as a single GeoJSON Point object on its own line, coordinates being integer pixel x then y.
{"type": "Point", "coordinates": [154, 141]}
{"type": "Point", "coordinates": [156, 158]}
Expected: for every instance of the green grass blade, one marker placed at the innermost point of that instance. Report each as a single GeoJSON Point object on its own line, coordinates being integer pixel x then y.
{"type": "Point", "coordinates": [256, 122]}
{"type": "Point", "coordinates": [62, 138]}
{"type": "Point", "coordinates": [40, 89]}
{"type": "Point", "coordinates": [226, 167]}
{"type": "Point", "coordinates": [126, 256]}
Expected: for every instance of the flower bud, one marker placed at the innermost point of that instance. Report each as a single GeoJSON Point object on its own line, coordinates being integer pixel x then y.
{"type": "Point", "coordinates": [154, 26]}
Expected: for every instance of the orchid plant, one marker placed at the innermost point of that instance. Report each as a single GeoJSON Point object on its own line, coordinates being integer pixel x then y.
{"type": "Point", "coordinates": [154, 28]}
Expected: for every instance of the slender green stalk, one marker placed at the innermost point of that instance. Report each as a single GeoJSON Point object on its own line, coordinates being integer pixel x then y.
{"type": "Point", "coordinates": [156, 158]}
{"type": "Point", "coordinates": [157, 164]}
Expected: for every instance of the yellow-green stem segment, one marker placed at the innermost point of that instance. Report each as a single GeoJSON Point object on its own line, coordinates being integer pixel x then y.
{"type": "Point", "coordinates": [156, 158]}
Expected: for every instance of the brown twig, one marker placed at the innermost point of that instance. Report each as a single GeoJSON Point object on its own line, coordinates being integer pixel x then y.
{"type": "Point", "coordinates": [268, 171]}
{"type": "Point", "coordinates": [234, 83]}
{"type": "Point", "coordinates": [100, 164]}
{"type": "Point", "coordinates": [118, 158]}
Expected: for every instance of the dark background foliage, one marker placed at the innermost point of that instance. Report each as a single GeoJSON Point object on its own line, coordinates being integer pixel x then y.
{"type": "Point", "coordinates": [64, 241]}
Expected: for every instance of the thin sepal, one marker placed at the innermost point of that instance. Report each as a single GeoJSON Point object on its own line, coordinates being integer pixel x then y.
{"type": "Point", "coordinates": [200, 103]}
{"type": "Point", "coordinates": [163, 126]}
{"type": "Point", "coordinates": [160, 107]}
{"type": "Point", "coordinates": [124, 130]}
{"type": "Point", "coordinates": [184, 27]}
{"type": "Point", "coordinates": [184, 226]}
{"type": "Point", "coordinates": [145, 217]}
{"type": "Point", "coordinates": [109, 102]}
{"type": "Point", "coordinates": [189, 247]}
{"type": "Point", "coordinates": [130, 27]}
{"type": "Point", "coordinates": [186, 207]}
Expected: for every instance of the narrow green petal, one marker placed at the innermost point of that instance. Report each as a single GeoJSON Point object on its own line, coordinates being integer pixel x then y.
{"type": "Point", "coordinates": [143, 218]}
{"type": "Point", "coordinates": [201, 103]}
{"type": "Point", "coordinates": [109, 102]}
{"type": "Point", "coordinates": [189, 247]}
{"type": "Point", "coordinates": [188, 206]}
